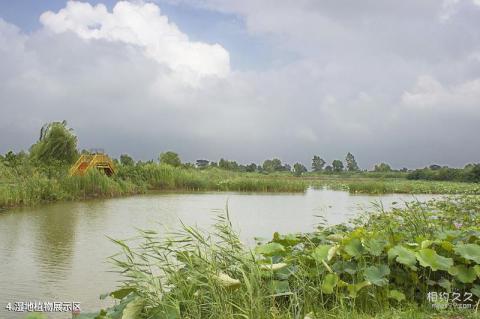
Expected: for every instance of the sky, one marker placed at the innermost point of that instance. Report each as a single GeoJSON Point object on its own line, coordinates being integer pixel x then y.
{"type": "Point", "coordinates": [389, 81]}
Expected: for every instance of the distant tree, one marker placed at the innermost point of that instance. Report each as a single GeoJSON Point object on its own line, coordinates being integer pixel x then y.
{"type": "Point", "coordinates": [299, 169]}
{"type": "Point", "coordinates": [328, 169]}
{"type": "Point", "coordinates": [382, 167]}
{"type": "Point", "coordinates": [213, 164]}
{"type": "Point", "coordinates": [126, 160]}
{"type": "Point", "coordinates": [188, 165]}
{"type": "Point", "coordinates": [352, 165]}
{"type": "Point", "coordinates": [435, 167]}
{"type": "Point", "coordinates": [404, 170]}
{"type": "Point", "coordinates": [318, 163]}
{"type": "Point", "coordinates": [170, 158]}
{"type": "Point", "coordinates": [251, 167]}
{"type": "Point", "coordinates": [273, 165]}
{"type": "Point", "coordinates": [472, 173]}
{"type": "Point", "coordinates": [201, 163]}
{"type": "Point", "coordinates": [337, 166]}
{"type": "Point", "coordinates": [228, 165]}
{"type": "Point", "coordinates": [56, 143]}
{"type": "Point", "coordinates": [13, 160]}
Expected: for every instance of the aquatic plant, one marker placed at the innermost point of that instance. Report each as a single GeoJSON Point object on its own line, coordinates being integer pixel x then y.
{"type": "Point", "coordinates": [382, 260]}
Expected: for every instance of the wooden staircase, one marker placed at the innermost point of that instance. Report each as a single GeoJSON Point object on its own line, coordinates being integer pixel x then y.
{"type": "Point", "coordinates": [99, 161]}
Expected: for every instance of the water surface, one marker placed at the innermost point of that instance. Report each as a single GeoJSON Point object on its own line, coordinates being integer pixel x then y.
{"type": "Point", "coordinates": [58, 252]}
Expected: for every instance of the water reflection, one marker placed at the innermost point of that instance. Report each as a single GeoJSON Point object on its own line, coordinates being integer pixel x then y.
{"type": "Point", "coordinates": [53, 240]}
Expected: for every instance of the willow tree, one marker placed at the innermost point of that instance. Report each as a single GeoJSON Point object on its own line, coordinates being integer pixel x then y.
{"type": "Point", "coordinates": [57, 143]}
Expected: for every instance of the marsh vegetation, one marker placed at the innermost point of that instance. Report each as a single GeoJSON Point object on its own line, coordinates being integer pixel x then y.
{"type": "Point", "coordinates": [382, 264]}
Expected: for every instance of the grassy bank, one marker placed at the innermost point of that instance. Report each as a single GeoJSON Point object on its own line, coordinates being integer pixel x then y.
{"type": "Point", "coordinates": [34, 186]}
{"type": "Point", "coordinates": [29, 185]}
{"type": "Point", "coordinates": [361, 185]}
{"type": "Point", "coordinates": [384, 264]}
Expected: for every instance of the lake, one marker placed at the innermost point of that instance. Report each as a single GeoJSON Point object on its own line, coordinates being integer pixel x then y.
{"type": "Point", "coordinates": [58, 252]}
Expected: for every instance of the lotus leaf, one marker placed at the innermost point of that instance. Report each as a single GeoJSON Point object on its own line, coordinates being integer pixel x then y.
{"type": "Point", "coordinates": [429, 258]}
{"type": "Point", "coordinates": [270, 249]}
{"type": "Point", "coordinates": [354, 247]}
{"type": "Point", "coordinates": [329, 283]}
{"type": "Point", "coordinates": [321, 253]}
{"type": "Point", "coordinates": [463, 274]}
{"type": "Point", "coordinates": [376, 275]}
{"type": "Point", "coordinates": [397, 295]}
{"type": "Point", "coordinates": [353, 289]}
{"type": "Point", "coordinates": [469, 251]}
{"type": "Point", "coordinates": [403, 256]}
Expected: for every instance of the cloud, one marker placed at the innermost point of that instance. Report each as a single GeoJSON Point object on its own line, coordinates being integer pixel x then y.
{"type": "Point", "coordinates": [142, 25]}
{"type": "Point", "coordinates": [429, 94]}
{"type": "Point", "coordinates": [387, 81]}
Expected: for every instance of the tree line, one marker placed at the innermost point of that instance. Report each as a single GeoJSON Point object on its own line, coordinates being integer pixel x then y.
{"type": "Point", "coordinates": [57, 145]}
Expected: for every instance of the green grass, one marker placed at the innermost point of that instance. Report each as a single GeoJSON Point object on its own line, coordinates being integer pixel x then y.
{"type": "Point", "coordinates": [401, 186]}
{"type": "Point", "coordinates": [28, 185]}
{"type": "Point", "coordinates": [382, 265]}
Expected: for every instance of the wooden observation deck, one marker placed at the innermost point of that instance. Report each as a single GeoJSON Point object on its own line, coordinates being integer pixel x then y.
{"type": "Point", "coordinates": [98, 160]}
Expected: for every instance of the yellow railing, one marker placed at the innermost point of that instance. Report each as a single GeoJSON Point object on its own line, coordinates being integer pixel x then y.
{"type": "Point", "coordinates": [87, 161]}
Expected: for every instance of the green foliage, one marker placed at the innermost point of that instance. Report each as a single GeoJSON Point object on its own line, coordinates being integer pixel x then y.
{"type": "Point", "coordinates": [471, 173]}
{"type": "Point", "coordinates": [126, 160]}
{"type": "Point", "coordinates": [329, 283]}
{"type": "Point", "coordinates": [299, 169]}
{"type": "Point", "coordinates": [170, 158]}
{"type": "Point", "coordinates": [56, 143]}
{"type": "Point", "coordinates": [337, 166]}
{"type": "Point", "coordinates": [469, 251]}
{"type": "Point", "coordinates": [317, 163]}
{"type": "Point", "coordinates": [352, 165]}
{"type": "Point", "coordinates": [376, 263]}
{"type": "Point", "coordinates": [382, 167]}
{"type": "Point", "coordinates": [404, 256]}
{"type": "Point", "coordinates": [377, 275]}
{"type": "Point", "coordinates": [273, 165]}
{"type": "Point", "coordinates": [270, 249]}
{"type": "Point", "coordinates": [429, 258]}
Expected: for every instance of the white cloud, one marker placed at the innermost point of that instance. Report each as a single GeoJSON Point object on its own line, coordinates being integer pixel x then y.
{"type": "Point", "coordinates": [142, 24]}
{"type": "Point", "coordinates": [123, 79]}
{"type": "Point", "coordinates": [429, 94]}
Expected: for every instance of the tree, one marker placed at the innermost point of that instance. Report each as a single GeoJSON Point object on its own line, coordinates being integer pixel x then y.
{"type": "Point", "coordinates": [56, 143]}
{"type": "Point", "coordinates": [13, 160]}
{"type": "Point", "coordinates": [126, 160]}
{"type": "Point", "coordinates": [299, 169]}
{"type": "Point", "coordinates": [273, 165]}
{"type": "Point", "coordinates": [318, 163]}
{"type": "Point", "coordinates": [170, 158]}
{"type": "Point", "coordinates": [435, 167]}
{"type": "Point", "coordinates": [337, 166]}
{"type": "Point", "coordinates": [201, 163]}
{"type": "Point", "coordinates": [382, 167]}
{"type": "Point", "coordinates": [251, 167]}
{"type": "Point", "coordinates": [228, 165]}
{"type": "Point", "coordinates": [352, 165]}
{"type": "Point", "coordinates": [328, 169]}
